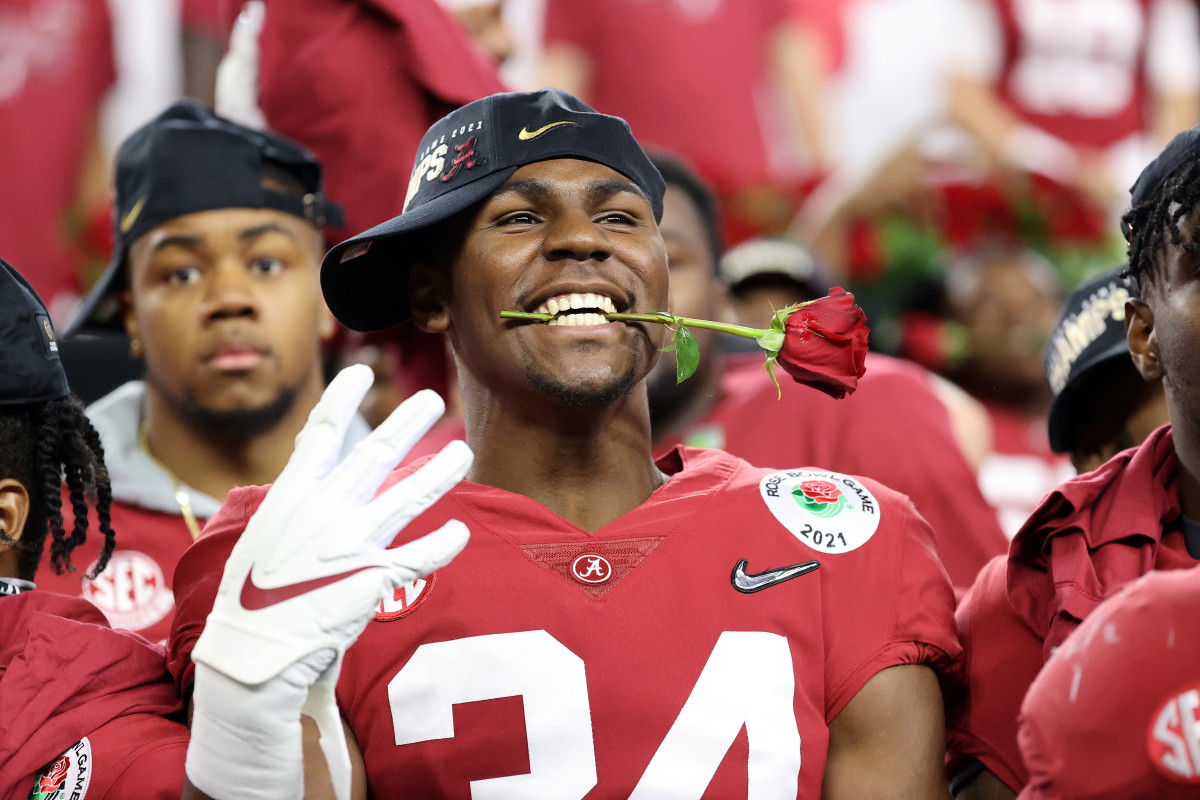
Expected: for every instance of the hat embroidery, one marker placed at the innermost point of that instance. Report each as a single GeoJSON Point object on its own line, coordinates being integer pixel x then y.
{"type": "Point", "coordinates": [465, 159]}
{"type": "Point", "coordinates": [131, 217]}
{"type": "Point", "coordinates": [49, 329]}
{"type": "Point", "coordinates": [525, 134]}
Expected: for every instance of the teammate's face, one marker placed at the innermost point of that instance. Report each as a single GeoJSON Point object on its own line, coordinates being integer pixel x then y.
{"type": "Point", "coordinates": [228, 308]}
{"type": "Point", "coordinates": [556, 230]}
{"type": "Point", "coordinates": [1164, 334]}
{"type": "Point", "coordinates": [694, 293]}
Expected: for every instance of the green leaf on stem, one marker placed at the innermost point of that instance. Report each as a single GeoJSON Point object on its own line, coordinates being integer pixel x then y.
{"type": "Point", "coordinates": [771, 371]}
{"type": "Point", "coordinates": [687, 354]}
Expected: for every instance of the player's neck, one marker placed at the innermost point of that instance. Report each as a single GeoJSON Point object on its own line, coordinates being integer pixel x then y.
{"type": "Point", "coordinates": [214, 463]}
{"type": "Point", "coordinates": [589, 466]}
{"type": "Point", "coordinates": [703, 390]}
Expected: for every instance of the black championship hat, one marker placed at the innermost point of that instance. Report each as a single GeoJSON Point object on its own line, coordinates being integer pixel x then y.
{"type": "Point", "coordinates": [463, 158]}
{"type": "Point", "coordinates": [1183, 148]}
{"type": "Point", "coordinates": [30, 369]}
{"type": "Point", "coordinates": [1090, 333]}
{"type": "Point", "coordinates": [188, 159]}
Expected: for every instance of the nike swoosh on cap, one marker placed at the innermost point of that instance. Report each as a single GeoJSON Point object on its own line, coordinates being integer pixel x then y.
{"type": "Point", "coordinates": [256, 598]}
{"type": "Point", "coordinates": [130, 218]}
{"type": "Point", "coordinates": [525, 134]}
{"type": "Point", "coordinates": [746, 583]}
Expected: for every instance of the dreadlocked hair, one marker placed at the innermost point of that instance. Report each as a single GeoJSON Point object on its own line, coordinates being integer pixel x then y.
{"type": "Point", "coordinates": [47, 445]}
{"type": "Point", "coordinates": [1151, 221]}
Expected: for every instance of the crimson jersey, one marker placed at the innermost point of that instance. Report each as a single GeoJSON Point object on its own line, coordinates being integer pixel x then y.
{"type": "Point", "coordinates": [660, 656]}
{"type": "Point", "coordinates": [89, 712]}
{"type": "Point", "coordinates": [135, 589]}
{"type": "Point", "coordinates": [1089, 538]}
{"type": "Point", "coordinates": [1116, 711]}
{"type": "Point", "coordinates": [1075, 68]}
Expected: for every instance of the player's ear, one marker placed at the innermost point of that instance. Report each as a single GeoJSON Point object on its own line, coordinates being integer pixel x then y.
{"type": "Point", "coordinates": [1142, 339]}
{"type": "Point", "coordinates": [428, 292]}
{"type": "Point", "coordinates": [14, 507]}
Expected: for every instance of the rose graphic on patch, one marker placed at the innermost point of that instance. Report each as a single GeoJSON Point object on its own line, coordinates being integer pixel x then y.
{"type": "Point", "coordinates": [822, 498]}
{"type": "Point", "coordinates": [51, 778]}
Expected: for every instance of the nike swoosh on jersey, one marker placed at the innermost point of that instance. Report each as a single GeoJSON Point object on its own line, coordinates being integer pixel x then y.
{"type": "Point", "coordinates": [525, 134]}
{"type": "Point", "coordinates": [746, 583]}
{"type": "Point", "coordinates": [256, 598]}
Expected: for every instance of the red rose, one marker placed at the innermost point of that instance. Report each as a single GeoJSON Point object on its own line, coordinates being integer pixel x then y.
{"type": "Point", "coordinates": [825, 344]}
{"type": "Point", "coordinates": [53, 777]}
{"type": "Point", "coordinates": [820, 491]}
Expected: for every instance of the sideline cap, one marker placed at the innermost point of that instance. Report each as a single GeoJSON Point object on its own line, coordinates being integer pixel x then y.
{"type": "Point", "coordinates": [1181, 149]}
{"type": "Point", "coordinates": [188, 159]}
{"type": "Point", "coordinates": [463, 158]}
{"type": "Point", "coordinates": [30, 369]}
{"type": "Point", "coordinates": [1090, 332]}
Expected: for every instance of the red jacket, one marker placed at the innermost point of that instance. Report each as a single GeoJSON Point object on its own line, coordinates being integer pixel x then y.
{"type": "Point", "coordinates": [84, 705]}
{"type": "Point", "coordinates": [1087, 539]}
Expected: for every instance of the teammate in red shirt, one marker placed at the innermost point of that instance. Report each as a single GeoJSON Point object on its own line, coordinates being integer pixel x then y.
{"type": "Point", "coordinates": [617, 626]}
{"type": "Point", "coordinates": [1093, 726]}
{"type": "Point", "coordinates": [214, 279]}
{"type": "Point", "coordinates": [87, 710]}
{"type": "Point", "coordinates": [1105, 528]}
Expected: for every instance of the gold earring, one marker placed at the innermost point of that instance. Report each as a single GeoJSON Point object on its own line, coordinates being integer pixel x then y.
{"type": "Point", "coordinates": [135, 348]}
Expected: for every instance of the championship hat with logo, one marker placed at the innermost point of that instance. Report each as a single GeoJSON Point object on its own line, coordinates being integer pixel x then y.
{"type": "Point", "coordinates": [30, 369]}
{"type": "Point", "coordinates": [463, 158]}
{"type": "Point", "coordinates": [189, 159]}
{"type": "Point", "coordinates": [1088, 338]}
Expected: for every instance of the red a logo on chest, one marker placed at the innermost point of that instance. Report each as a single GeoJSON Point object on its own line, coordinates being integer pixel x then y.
{"type": "Point", "coordinates": [596, 566]}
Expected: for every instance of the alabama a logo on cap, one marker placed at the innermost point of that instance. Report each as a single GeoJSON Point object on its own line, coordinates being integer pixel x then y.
{"type": "Point", "coordinates": [828, 511]}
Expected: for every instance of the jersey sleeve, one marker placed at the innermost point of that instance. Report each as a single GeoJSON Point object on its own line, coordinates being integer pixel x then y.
{"type": "Point", "coordinates": [1001, 657]}
{"type": "Point", "coordinates": [891, 604]}
{"type": "Point", "coordinates": [140, 755]}
{"type": "Point", "coordinates": [198, 576]}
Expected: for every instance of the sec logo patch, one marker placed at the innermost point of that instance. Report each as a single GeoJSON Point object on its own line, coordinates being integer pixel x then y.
{"type": "Point", "coordinates": [828, 511]}
{"type": "Point", "coordinates": [1173, 741]}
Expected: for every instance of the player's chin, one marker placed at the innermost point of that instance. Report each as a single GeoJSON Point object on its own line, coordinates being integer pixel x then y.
{"type": "Point", "coordinates": [587, 386]}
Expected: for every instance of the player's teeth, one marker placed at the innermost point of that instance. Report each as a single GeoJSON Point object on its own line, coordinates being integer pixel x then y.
{"type": "Point", "coordinates": [591, 301]}
{"type": "Point", "coordinates": [607, 305]}
{"type": "Point", "coordinates": [552, 321]}
{"type": "Point", "coordinates": [576, 301]}
{"type": "Point", "coordinates": [552, 305]}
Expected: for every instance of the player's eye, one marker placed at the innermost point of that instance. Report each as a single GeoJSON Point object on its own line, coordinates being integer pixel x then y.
{"type": "Point", "coordinates": [616, 218]}
{"type": "Point", "coordinates": [182, 276]}
{"type": "Point", "coordinates": [519, 218]}
{"type": "Point", "coordinates": [267, 266]}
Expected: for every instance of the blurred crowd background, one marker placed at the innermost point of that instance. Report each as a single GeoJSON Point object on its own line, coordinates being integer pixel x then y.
{"type": "Point", "coordinates": [959, 165]}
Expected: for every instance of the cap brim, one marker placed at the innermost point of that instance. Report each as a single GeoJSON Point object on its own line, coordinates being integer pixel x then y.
{"type": "Point", "coordinates": [97, 313]}
{"type": "Point", "coordinates": [369, 291]}
{"type": "Point", "coordinates": [1060, 423]}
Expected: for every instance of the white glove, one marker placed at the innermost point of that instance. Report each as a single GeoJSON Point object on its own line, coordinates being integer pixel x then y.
{"type": "Point", "coordinates": [302, 582]}
{"type": "Point", "coordinates": [237, 74]}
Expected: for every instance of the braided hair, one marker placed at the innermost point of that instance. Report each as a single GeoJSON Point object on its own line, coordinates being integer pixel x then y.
{"type": "Point", "coordinates": [1151, 221]}
{"type": "Point", "coordinates": [46, 445]}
